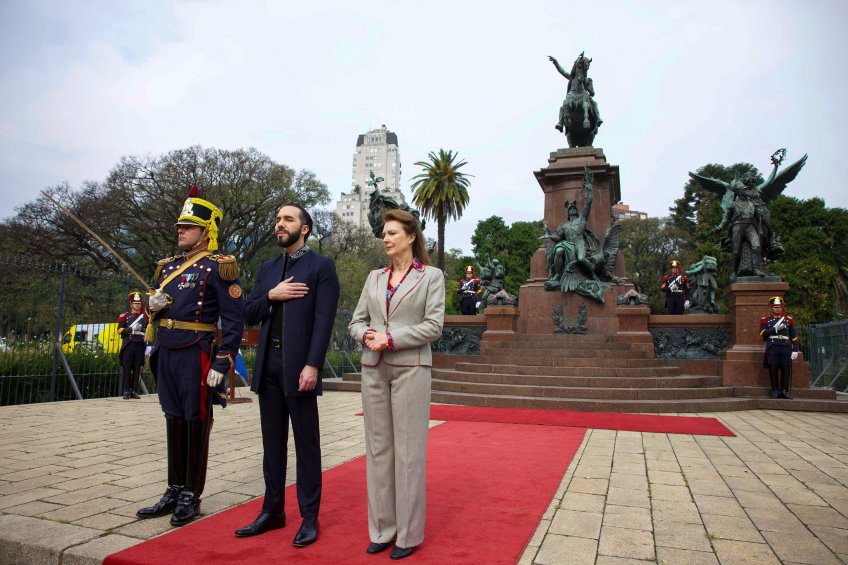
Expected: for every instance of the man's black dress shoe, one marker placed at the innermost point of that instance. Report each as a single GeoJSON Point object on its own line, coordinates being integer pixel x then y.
{"type": "Point", "coordinates": [308, 532]}
{"type": "Point", "coordinates": [262, 524]}
{"type": "Point", "coordinates": [375, 547]}
{"type": "Point", "coordinates": [401, 552]}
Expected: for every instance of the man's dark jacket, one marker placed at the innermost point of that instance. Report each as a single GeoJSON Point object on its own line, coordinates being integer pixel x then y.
{"type": "Point", "coordinates": [307, 321]}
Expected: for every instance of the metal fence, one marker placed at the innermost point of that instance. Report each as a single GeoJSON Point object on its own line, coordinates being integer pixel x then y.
{"type": "Point", "coordinates": [57, 338]}
{"type": "Point", "coordinates": [828, 355]}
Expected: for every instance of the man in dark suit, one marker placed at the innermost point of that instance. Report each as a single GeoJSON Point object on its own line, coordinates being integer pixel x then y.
{"type": "Point", "coordinates": [295, 299]}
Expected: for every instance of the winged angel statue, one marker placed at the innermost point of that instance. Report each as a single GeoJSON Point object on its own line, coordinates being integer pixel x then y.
{"type": "Point", "coordinates": [576, 260]}
{"type": "Point", "coordinates": [745, 203]}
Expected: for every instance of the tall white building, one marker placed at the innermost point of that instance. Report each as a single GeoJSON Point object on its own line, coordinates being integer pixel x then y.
{"type": "Point", "coordinates": [376, 151]}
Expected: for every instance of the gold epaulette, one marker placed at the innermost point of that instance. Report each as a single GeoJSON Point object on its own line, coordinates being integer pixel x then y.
{"type": "Point", "coordinates": [160, 265]}
{"type": "Point", "coordinates": [228, 268]}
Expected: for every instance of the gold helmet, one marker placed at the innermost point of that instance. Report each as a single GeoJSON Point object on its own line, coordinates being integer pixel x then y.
{"type": "Point", "coordinates": [675, 263]}
{"type": "Point", "coordinates": [778, 301]}
{"type": "Point", "coordinates": [199, 212]}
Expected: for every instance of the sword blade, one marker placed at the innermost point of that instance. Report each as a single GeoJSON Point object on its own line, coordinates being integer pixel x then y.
{"type": "Point", "coordinates": [108, 247]}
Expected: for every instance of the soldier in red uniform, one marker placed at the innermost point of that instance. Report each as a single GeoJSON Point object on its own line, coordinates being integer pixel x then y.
{"type": "Point", "coordinates": [196, 291]}
{"type": "Point", "coordinates": [469, 291]}
{"type": "Point", "coordinates": [131, 327]}
{"type": "Point", "coordinates": [781, 337]}
{"type": "Point", "coordinates": [676, 288]}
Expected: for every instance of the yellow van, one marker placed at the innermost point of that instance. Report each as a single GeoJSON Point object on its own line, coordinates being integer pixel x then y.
{"type": "Point", "coordinates": [102, 337]}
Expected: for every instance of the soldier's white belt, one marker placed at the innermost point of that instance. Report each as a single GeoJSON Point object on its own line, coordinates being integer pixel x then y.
{"type": "Point", "coordinates": [180, 325]}
{"type": "Point", "coordinates": [778, 337]}
{"type": "Point", "coordinates": [677, 291]}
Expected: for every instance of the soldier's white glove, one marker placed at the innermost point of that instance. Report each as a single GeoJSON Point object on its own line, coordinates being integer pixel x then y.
{"type": "Point", "coordinates": [686, 305]}
{"type": "Point", "coordinates": [214, 377]}
{"type": "Point", "coordinates": [794, 355]}
{"type": "Point", "coordinates": [148, 350]}
{"type": "Point", "coordinates": [158, 301]}
{"type": "Point", "coordinates": [477, 305]}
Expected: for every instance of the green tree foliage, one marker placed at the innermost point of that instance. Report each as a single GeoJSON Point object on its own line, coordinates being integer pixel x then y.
{"type": "Point", "coordinates": [816, 241]}
{"type": "Point", "coordinates": [135, 208]}
{"type": "Point", "coordinates": [490, 239]}
{"type": "Point", "coordinates": [810, 295]}
{"type": "Point", "coordinates": [440, 192]}
{"type": "Point", "coordinates": [513, 246]}
{"type": "Point", "coordinates": [648, 246]}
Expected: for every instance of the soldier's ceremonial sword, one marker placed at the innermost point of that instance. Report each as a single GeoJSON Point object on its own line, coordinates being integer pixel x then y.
{"type": "Point", "coordinates": [99, 239]}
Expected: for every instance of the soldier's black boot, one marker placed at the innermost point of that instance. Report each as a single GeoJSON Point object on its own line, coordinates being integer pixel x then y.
{"type": "Point", "coordinates": [785, 382]}
{"type": "Point", "coordinates": [774, 381]}
{"type": "Point", "coordinates": [134, 386]}
{"type": "Point", "coordinates": [188, 505]}
{"type": "Point", "coordinates": [176, 432]}
{"type": "Point", "coordinates": [125, 382]}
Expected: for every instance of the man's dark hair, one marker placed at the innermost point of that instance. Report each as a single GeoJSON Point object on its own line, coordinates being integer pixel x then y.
{"type": "Point", "coordinates": [305, 218]}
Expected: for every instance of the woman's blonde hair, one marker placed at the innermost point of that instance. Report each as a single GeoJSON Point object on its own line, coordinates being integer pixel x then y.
{"type": "Point", "coordinates": [411, 227]}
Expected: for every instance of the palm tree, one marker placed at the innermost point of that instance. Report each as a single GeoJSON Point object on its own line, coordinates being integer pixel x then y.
{"type": "Point", "coordinates": [440, 192]}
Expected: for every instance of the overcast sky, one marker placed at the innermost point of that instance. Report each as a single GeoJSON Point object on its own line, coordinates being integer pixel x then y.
{"type": "Point", "coordinates": [679, 85]}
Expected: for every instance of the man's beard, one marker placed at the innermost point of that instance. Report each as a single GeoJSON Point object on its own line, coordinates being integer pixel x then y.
{"type": "Point", "coordinates": [289, 240]}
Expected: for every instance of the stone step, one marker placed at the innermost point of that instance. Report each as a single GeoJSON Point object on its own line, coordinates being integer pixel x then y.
{"type": "Point", "coordinates": [602, 381]}
{"type": "Point", "coordinates": [799, 393]}
{"type": "Point", "coordinates": [342, 384]}
{"type": "Point", "coordinates": [723, 404]}
{"type": "Point", "coordinates": [586, 370]}
{"type": "Point", "coordinates": [494, 346]}
{"type": "Point", "coordinates": [492, 389]}
{"type": "Point", "coordinates": [548, 361]}
{"type": "Point", "coordinates": [558, 338]}
{"type": "Point", "coordinates": [558, 355]}
{"type": "Point", "coordinates": [804, 404]}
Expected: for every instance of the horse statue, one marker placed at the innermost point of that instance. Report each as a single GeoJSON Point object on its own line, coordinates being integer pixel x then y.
{"type": "Point", "coordinates": [579, 118]}
{"type": "Point", "coordinates": [380, 202]}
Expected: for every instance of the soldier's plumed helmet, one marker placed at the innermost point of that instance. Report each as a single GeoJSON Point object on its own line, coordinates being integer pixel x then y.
{"type": "Point", "coordinates": [135, 296]}
{"type": "Point", "coordinates": [675, 263]}
{"type": "Point", "coordinates": [199, 212]}
{"type": "Point", "coordinates": [776, 301]}
{"type": "Point", "coordinates": [469, 269]}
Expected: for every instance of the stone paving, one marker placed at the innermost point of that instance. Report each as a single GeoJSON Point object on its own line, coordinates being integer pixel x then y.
{"type": "Point", "coordinates": [72, 475]}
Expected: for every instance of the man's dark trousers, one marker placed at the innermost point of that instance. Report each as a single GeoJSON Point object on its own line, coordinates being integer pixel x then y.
{"type": "Point", "coordinates": [276, 408]}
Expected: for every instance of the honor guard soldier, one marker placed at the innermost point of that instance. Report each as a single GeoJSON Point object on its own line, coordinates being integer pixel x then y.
{"type": "Point", "coordinates": [195, 292]}
{"type": "Point", "coordinates": [131, 327]}
{"type": "Point", "coordinates": [781, 337]}
{"type": "Point", "coordinates": [469, 291]}
{"type": "Point", "coordinates": [676, 289]}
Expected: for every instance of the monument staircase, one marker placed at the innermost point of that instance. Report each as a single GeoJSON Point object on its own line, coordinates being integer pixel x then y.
{"type": "Point", "coordinates": [589, 373]}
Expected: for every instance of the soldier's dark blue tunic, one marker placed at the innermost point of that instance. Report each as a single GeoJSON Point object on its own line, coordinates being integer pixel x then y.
{"type": "Point", "coordinates": [779, 343]}
{"type": "Point", "coordinates": [132, 348]}
{"type": "Point", "coordinates": [183, 357]}
{"type": "Point", "coordinates": [676, 289]}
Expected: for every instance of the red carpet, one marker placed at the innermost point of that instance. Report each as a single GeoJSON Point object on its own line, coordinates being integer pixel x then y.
{"type": "Point", "coordinates": [488, 485]}
{"type": "Point", "coordinates": [598, 420]}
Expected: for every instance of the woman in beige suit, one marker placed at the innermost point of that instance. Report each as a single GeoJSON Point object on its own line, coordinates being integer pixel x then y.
{"type": "Point", "coordinates": [401, 310]}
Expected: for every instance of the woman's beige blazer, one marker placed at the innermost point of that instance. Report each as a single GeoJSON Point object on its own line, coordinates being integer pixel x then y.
{"type": "Point", "coordinates": [415, 317]}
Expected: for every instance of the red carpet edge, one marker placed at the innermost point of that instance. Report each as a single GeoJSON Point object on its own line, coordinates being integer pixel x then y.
{"type": "Point", "coordinates": [488, 485]}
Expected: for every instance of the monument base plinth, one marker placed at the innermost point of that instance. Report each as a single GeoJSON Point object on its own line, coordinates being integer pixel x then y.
{"type": "Point", "coordinates": [536, 307]}
{"type": "Point", "coordinates": [742, 362]}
